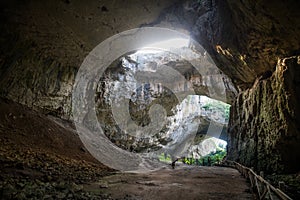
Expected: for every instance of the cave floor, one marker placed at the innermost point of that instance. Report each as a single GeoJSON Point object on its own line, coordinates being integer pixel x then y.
{"type": "Point", "coordinates": [42, 157]}
{"type": "Point", "coordinates": [184, 182]}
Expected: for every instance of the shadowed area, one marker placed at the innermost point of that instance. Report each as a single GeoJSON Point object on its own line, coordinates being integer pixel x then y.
{"type": "Point", "coordinates": [254, 46]}
{"type": "Point", "coordinates": [42, 158]}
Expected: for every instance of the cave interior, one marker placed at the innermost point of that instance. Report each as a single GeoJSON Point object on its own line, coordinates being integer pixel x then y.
{"type": "Point", "coordinates": [151, 80]}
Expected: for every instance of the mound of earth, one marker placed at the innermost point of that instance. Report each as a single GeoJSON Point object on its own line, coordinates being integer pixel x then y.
{"type": "Point", "coordinates": [42, 157]}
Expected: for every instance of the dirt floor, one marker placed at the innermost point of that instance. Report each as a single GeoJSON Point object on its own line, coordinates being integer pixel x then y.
{"type": "Point", "coordinates": [42, 157]}
{"type": "Point", "coordinates": [184, 182]}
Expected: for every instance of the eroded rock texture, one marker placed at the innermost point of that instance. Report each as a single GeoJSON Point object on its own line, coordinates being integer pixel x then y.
{"type": "Point", "coordinates": [248, 41]}
{"type": "Point", "coordinates": [139, 81]}
{"type": "Point", "coordinates": [265, 123]}
{"type": "Point", "coordinates": [44, 43]}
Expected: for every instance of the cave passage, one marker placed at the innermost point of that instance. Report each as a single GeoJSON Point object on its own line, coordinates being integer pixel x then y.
{"type": "Point", "coordinates": [201, 149]}
{"type": "Point", "coordinates": [186, 121]}
{"type": "Point", "coordinates": [99, 98]}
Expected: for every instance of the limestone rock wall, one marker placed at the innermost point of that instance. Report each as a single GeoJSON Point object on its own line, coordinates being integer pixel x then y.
{"type": "Point", "coordinates": [264, 128]}
{"type": "Point", "coordinates": [42, 44]}
{"type": "Point", "coordinates": [53, 37]}
{"type": "Point", "coordinates": [246, 37]}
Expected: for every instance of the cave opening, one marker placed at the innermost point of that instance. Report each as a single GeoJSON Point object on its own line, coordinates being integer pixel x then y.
{"type": "Point", "coordinates": [185, 122]}
{"type": "Point", "coordinates": [254, 44]}
{"type": "Point", "coordinates": [200, 148]}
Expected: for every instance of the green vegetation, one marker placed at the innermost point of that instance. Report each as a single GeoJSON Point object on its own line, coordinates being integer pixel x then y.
{"type": "Point", "coordinates": [164, 157]}
{"type": "Point", "coordinates": [215, 157]}
{"type": "Point", "coordinates": [218, 106]}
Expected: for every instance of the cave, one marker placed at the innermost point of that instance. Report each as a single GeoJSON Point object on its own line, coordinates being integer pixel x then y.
{"type": "Point", "coordinates": [132, 99]}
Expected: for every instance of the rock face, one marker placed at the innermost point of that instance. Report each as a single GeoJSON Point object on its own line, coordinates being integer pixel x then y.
{"type": "Point", "coordinates": [265, 123]}
{"type": "Point", "coordinates": [44, 43]}
{"type": "Point", "coordinates": [41, 53]}
{"type": "Point", "coordinates": [245, 38]}
{"type": "Point", "coordinates": [138, 82]}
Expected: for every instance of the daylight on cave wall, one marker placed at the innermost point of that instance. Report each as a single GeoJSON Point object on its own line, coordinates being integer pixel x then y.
{"type": "Point", "coordinates": [170, 99]}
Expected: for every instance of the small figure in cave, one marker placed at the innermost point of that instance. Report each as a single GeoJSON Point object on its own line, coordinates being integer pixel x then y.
{"type": "Point", "coordinates": [197, 161]}
{"type": "Point", "coordinates": [173, 163]}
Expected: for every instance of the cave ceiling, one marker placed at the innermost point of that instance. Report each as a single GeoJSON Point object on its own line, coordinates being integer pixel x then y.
{"type": "Point", "coordinates": [245, 38]}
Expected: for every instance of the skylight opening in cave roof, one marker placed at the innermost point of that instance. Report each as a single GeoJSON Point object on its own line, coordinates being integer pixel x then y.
{"type": "Point", "coordinates": [166, 45]}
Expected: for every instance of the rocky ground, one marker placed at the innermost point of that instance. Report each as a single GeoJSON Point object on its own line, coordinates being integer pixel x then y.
{"type": "Point", "coordinates": [42, 157]}
{"type": "Point", "coordinates": [33, 174]}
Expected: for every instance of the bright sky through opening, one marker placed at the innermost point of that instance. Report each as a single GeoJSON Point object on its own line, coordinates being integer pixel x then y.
{"type": "Point", "coordinates": [166, 45]}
